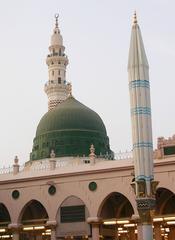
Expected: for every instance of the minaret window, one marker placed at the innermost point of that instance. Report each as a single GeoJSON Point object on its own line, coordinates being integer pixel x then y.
{"type": "Point", "coordinates": [59, 72]}
{"type": "Point", "coordinates": [60, 52]}
{"type": "Point", "coordinates": [59, 80]}
{"type": "Point", "coordinates": [52, 73]}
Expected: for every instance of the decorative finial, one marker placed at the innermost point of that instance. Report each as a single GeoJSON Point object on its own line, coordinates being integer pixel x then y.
{"type": "Point", "coordinates": [52, 154]}
{"type": "Point", "coordinates": [92, 154]}
{"type": "Point", "coordinates": [135, 18]}
{"type": "Point", "coordinates": [92, 149]}
{"type": "Point", "coordinates": [69, 88]}
{"type": "Point", "coordinates": [16, 160]}
{"type": "Point", "coordinates": [56, 20]}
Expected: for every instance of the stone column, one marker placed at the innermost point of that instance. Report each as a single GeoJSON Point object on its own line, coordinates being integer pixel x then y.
{"type": "Point", "coordinates": [95, 223]}
{"type": "Point", "coordinates": [157, 231]}
{"type": "Point", "coordinates": [15, 228]}
{"type": "Point", "coordinates": [136, 220]}
{"type": "Point", "coordinates": [95, 231]}
{"type": "Point", "coordinates": [52, 225]}
{"type": "Point", "coordinates": [39, 237]}
{"type": "Point", "coordinates": [53, 233]}
{"type": "Point", "coordinates": [172, 233]}
{"type": "Point", "coordinates": [15, 235]}
{"type": "Point", "coordinates": [132, 235]}
{"type": "Point", "coordinates": [139, 231]}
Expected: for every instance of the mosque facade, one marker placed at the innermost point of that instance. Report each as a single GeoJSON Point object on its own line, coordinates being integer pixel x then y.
{"type": "Point", "coordinates": [74, 186]}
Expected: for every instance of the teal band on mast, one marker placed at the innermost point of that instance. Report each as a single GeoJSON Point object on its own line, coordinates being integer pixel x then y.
{"type": "Point", "coordinates": [141, 110]}
{"type": "Point", "coordinates": [139, 83]}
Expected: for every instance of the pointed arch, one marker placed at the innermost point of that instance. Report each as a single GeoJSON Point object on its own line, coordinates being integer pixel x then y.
{"type": "Point", "coordinates": [115, 205]}
{"type": "Point", "coordinates": [71, 217]}
{"type": "Point", "coordinates": [5, 218]}
{"type": "Point", "coordinates": [165, 201]}
{"type": "Point", "coordinates": [33, 211]}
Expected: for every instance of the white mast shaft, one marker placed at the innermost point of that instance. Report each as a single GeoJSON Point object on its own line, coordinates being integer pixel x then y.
{"type": "Point", "coordinates": [138, 72]}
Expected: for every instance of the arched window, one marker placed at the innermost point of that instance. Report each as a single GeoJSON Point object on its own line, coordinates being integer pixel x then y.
{"type": "Point", "coordinates": [59, 80]}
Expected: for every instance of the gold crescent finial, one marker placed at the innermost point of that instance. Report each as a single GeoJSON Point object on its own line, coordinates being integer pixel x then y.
{"type": "Point", "coordinates": [135, 18]}
{"type": "Point", "coordinates": [56, 19]}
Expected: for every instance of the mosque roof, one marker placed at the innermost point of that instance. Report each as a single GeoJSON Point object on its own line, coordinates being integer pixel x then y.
{"type": "Point", "coordinates": [71, 115]}
{"type": "Point", "coordinates": [69, 129]}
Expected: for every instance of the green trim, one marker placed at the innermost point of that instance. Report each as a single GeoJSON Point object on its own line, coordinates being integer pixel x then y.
{"type": "Point", "coordinates": [15, 194]}
{"type": "Point", "coordinates": [92, 186]}
{"type": "Point", "coordinates": [52, 190]}
{"type": "Point", "coordinates": [70, 214]}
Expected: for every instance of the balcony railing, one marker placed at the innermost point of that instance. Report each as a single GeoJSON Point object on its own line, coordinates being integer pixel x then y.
{"type": "Point", "coordinates": [45, 164]}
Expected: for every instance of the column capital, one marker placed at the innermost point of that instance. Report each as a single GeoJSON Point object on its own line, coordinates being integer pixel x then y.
{"type": "Point", "coordinates": [146, 209]}
{"type": "Point", "coordinates": [94, 220]}
{"type": "Point", "coordinates": [51, 223]}
{"type": "Point", "coordinates": [15, 226]}
{"type": "Point", "coordinates": [135, 218]}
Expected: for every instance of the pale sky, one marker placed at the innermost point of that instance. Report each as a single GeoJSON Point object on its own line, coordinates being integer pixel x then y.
{"type": "Point", "coordinates": [96, 35]}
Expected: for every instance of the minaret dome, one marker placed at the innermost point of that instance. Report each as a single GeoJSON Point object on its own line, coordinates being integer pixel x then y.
{"type": "Point", "coordinates": [56, 38]}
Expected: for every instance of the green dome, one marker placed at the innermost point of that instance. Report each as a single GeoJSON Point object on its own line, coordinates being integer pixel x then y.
{"type": "Point", "coordinates": [70, 129]}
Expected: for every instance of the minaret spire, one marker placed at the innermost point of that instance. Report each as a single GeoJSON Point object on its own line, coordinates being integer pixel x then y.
{"type": "Point", "coordinates": [56, 20]}
{"type": "Point", "coordinates": [56, 88]}
{"type": "Point", "coordinates": [135, 18]}
{"type": "Point", "coordinates": [139, 87]}
{"type": "Point", "coordinates": [138, 73]}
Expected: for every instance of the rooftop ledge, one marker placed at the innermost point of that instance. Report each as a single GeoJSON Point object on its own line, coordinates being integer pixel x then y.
{"type": "Point", "coordinates": [73, 166]}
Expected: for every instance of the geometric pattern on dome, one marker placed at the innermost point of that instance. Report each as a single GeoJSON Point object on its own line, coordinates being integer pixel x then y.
{"type": "Point", "coordinates": [54, 103]}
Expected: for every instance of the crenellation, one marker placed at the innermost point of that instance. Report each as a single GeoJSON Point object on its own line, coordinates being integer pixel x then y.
{"type": "Point", "coordinates": [165, 147]}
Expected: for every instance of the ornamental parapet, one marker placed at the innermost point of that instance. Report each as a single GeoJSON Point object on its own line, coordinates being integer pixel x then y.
{"type": "Point", "coordinates": [165, 147]}
{"type": "Point", "coordinates": [54, 83]}
{"type": "Point", "coordinates": [56, 163]}
{"type": "Point", "coordinates": [45, 164]}
{"type": "Point", "coordinates": [56, 56]}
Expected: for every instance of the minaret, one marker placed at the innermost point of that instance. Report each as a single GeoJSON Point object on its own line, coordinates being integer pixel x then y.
{"type": "Point", "coordinates": [57, 89]}
{"type": "Point", "coordinates": [139, 88]}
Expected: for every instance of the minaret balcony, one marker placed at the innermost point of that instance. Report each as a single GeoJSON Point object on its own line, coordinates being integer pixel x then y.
{"type": "Point", "coordinates": [56, 54]}
{"type": "Point", "coordinates": [54, 83]}
{"type": "Point", "coordinates": [55, 58]}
